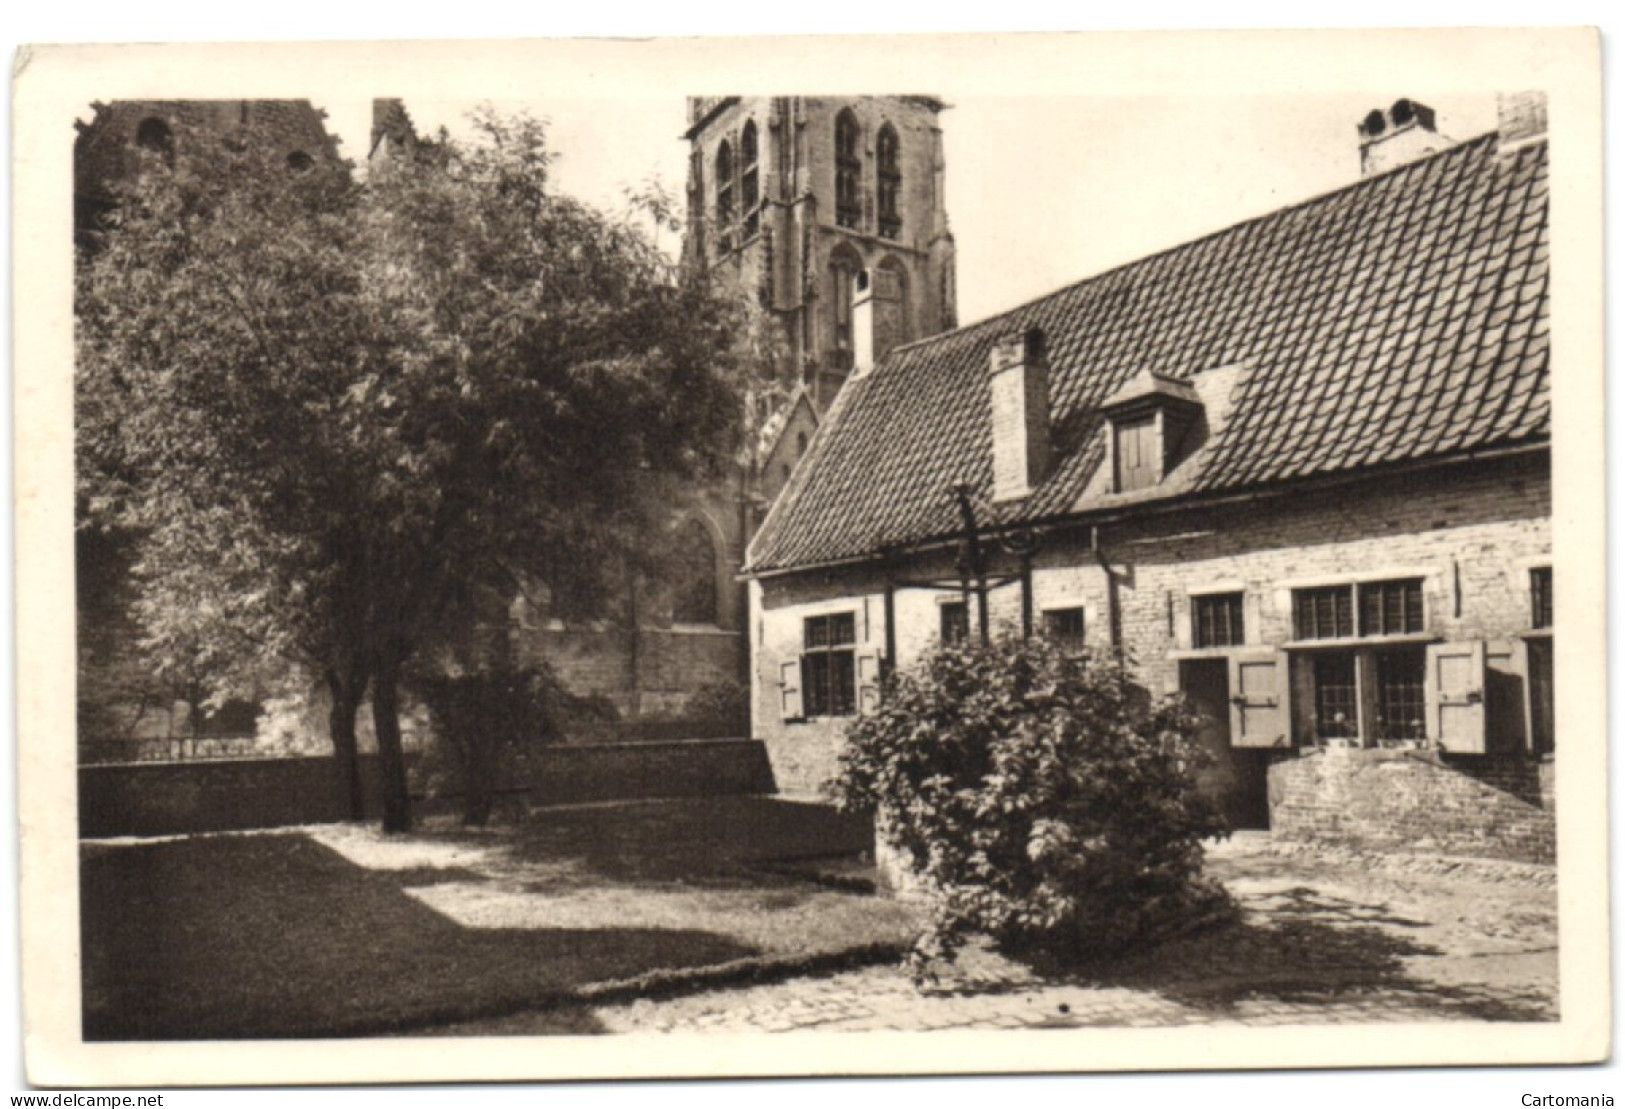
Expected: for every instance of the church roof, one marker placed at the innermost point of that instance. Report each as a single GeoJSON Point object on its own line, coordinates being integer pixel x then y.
{"type": "Point", "coordinates": [1403, 318]}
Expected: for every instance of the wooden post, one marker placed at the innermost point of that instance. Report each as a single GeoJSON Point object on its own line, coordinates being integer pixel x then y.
{"type": "Point", "coordinates": [890, 606]}
{"type": "Point", "coordinates": [974, 565]}
{"type": "Point", "coordinates": [1026, 595]}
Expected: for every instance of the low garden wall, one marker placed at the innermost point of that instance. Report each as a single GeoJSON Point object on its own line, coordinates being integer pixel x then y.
{"type": "Point", "coordinates": [176, 798]}
{"type": "Point", "coordinates": [671, 768]}
{"type": "Point", "coordinates": [221, 795]}
{"type": "Point", "coordinates": [1415, 802]}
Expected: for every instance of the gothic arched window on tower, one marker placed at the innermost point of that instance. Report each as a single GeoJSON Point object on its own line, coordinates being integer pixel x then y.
{"type": "Point", "coordinates": [694, 580]}
{"type": "Point", "coordinates": [843, 281]}
{"type": "Point", "coordinates": [848, 170]}
{"type": "Point", "coordinates": [725, 196]}
{"type": "Point", "coordinates": [890, 178]}
{"type": "Point", "coordinates": [749, 181]}
{"type": "Point", "coordinates": [901, 325]}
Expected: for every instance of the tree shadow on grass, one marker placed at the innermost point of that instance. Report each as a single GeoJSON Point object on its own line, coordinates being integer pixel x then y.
{"type": "Point", "coordinates": [276, 936]}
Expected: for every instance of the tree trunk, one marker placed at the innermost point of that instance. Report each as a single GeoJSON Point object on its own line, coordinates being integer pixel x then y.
{"type": "Point", "coordinates": [346, 697]}
{"type": "Point", "coordinates": [386, 723]}
{"type": "Point", "coordinates": [477, 782]}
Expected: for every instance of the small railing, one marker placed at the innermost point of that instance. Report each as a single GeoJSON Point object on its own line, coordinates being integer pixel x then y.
{"type": "Point", "coordinates": [94, 752]}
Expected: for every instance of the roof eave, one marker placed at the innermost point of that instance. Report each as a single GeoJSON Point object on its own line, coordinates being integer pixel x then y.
{"type": "Point", "coordinates": [1173, 503]}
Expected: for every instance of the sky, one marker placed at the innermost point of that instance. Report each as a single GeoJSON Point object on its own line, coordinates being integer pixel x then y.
{"type": "Point", "coordinates": [1041, 192]}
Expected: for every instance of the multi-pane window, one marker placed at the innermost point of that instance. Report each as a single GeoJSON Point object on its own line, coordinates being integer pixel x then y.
{"type": "Point", "coordinates": [1324, 613]}
{"type": "Point", "coordinates": [1064, 627]}
{"type": "Point", "coordinates": [1372, 692]}
{"type": "Point", "coordinates": [1540, 597]}
{"type": "Point", "coordinates": [848, 171]}
{"type": "Point", "coordinates": [1391, 607]}
{"type": "Point", "coordinates": [749, 179]}
{"type": "Point", "coordinates": [828, 665]}
{"type": "Point", "coordinates": [889, 176]}
{"type": "Point", "coordinates": [1337, 696]}
{"type": "Point", "coordinates": [1542, 692]}
{"type": "Point", "coordinates": [1542, 697]}
{"type": "Point", "coordinates": [954, 620]}
{"type": "Point", "coordinates": [1138, 466]}
{"type": "Point", "coordinates": [1385, 608]}
{"type": "Point", "coordinates": [1401, 693]}
{"type": "Point", "coordinates": [1216, 620]}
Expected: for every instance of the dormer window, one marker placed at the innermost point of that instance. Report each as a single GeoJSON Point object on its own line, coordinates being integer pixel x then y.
{"type": "Point", "coordinates": [1138, 464]}
{"type": "Point", "coordinates": [1147, 420]}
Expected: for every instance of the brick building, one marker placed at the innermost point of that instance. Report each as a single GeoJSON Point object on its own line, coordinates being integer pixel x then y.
{"type": "Point", "coordinates": [1299, 469]}
{"type": "Point", "coordinates": [108, 147]}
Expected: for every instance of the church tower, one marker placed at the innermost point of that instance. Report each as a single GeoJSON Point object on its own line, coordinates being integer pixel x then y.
{"type": "Point", "coordinates": [797, 196]}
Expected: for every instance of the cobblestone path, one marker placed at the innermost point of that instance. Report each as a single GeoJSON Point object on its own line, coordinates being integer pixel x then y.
{"type": "Point", "coordinates": [1322, 939]}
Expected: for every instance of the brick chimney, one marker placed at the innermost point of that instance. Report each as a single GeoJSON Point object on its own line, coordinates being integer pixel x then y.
{"type": "Point", "coordinates": [1389, 138]}
{"type": "Point", "coordinates": [1521, 119]}
{"type": "Point", "coordinates": [1018, 379]}
{"type": "Point", "coordinates": [877, 318]}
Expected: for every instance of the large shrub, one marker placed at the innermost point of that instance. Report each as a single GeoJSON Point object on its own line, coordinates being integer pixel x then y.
{"type": "Point", "coordinates": [488, 723]}
{"type": "Point", "coordinates": [1042, 799]}
{"type": "Point", "coordinates": [719, 708]}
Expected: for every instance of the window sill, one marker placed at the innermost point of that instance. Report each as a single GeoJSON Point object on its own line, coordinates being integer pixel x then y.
{"type": "Point", "coordinates": [1536, 633]}
{"type": "Point", "coordinates": [698, 629]}
{"type": "Point", "coordinates": [1180, 654]}
{"type": "Point", "coordinates": [1410, 639]}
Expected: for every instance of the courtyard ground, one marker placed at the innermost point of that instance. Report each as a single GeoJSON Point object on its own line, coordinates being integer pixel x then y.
{"type": "Point", "coordinates": [337, 930]}
{"type": "Point", "coordinates": [745, 914]}
{"type": "Point", "coordinates": [1322, 940]}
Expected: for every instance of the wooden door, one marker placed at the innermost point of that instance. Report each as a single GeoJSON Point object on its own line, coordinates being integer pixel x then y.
{"type": "Point", "coordinates": [1235, 779]}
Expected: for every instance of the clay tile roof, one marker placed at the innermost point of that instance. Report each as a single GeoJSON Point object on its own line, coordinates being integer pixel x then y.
{"type": "Point", "coordinates": [1399, 319]}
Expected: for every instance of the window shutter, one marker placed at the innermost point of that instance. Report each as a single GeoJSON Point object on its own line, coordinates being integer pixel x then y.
{"type": "Point", "coordinates": [790, 689]}
{"type": "Point", "coordinates": [1258, 700]}
{"type": "Point", "coordinates": [868, 681]}
{"type": "Point", "coordinates": [1455, 694]}
{"type": "Point", "coordinates": [1184, 608]}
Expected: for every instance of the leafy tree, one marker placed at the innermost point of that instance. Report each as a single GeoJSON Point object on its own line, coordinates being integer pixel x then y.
{"type": "Point", "coordinates": [490, 722]}
{"type": "Point", "coordinates": [335, 413]}
{"type": "Point", "coordinates": [1041, 799]}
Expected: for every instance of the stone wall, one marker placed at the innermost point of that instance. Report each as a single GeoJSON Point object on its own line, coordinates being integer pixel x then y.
{"type": "Point", "coordinates": [178, 798]}
{"type": "Point", "coordinates": [616, 771]}
{"type": "Point", "coordinates": [1414, 803]}
{"type": "Point", "coordinates": [671, 664]}
{"type": "Point", "coordinates": [156, 799]}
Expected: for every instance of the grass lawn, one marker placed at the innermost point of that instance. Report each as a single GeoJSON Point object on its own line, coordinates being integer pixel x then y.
{"type": "Point", "coordinates": [338, 930]}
